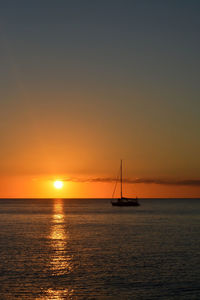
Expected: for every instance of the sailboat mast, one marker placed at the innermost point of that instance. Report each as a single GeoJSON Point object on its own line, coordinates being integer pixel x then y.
{"type": "Point", "coordinates": [121, 177]}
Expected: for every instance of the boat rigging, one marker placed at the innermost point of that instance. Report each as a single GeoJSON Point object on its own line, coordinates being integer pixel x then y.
{"type": "Point", "coordinates": [123, 201]}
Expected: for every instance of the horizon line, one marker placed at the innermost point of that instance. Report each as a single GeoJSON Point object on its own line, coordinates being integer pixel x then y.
{"type": "Point", "coordinates": [90, 198]}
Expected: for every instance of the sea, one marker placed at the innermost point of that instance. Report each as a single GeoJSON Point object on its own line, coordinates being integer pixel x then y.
{"type": "Point", "coordinates": [88, 249]}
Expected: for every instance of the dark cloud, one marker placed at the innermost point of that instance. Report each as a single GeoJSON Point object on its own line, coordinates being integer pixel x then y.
{"type": "Point", "coordinates": [186, 182]}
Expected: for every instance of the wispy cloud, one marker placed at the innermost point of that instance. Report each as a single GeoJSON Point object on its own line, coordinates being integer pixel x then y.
{"type": "Point", "coordinates": [177, 182]}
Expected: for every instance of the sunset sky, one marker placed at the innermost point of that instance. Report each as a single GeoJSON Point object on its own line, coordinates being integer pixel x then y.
{"type": "Point", "coordinates": [84, 84]}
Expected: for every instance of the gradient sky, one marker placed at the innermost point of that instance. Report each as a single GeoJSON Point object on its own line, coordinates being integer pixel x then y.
{"type": "Point", "coordinates": [86, 83]}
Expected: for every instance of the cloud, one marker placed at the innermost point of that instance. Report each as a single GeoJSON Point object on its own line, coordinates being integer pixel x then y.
{"type": "Point", "coordinates": [186, 182]}
{"type": "Point", "coordinates": [177, 182]}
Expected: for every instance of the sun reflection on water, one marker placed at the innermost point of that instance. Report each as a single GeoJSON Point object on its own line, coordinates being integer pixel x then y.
{"type": "Point", "coordinates": [52, 294]}
{"type": "Point", "coordinates": [60, 260]}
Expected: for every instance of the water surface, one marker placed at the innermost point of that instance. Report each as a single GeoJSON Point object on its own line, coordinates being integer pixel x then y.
{"type": "Point", "coordinates": [87, 249]}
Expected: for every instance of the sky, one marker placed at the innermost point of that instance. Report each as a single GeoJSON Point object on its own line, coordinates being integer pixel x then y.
{"type": "Point", "coordinates": [84, 84]}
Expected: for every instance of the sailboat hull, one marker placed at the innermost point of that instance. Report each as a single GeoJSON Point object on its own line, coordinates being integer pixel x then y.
{"type": "Point", "coordinates": [127, 202]}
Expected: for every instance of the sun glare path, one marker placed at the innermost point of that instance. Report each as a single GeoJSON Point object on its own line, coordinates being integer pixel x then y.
{"type": "Point", "coordinates": [58, 184]}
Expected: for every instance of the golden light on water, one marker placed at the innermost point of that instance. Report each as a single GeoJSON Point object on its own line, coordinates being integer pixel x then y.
{"type": "Point", "coordinates": [52, 294]}
{"type": "Point", "coordinates": [60, 260]}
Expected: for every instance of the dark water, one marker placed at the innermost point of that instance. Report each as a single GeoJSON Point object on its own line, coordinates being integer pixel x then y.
{"type": "Point", "coordinates": [87, 249]}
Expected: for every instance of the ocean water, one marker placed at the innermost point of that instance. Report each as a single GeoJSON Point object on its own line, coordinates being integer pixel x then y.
{"type": "Point", "coordinates": [87, 249]}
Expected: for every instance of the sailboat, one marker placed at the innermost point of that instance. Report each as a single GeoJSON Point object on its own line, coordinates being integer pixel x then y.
{"type": "Point", "coordinates": [123, 201]}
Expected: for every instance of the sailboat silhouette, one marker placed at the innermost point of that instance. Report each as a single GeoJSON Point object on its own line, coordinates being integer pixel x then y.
{"type": "Point", "coordinates": [123, 201]}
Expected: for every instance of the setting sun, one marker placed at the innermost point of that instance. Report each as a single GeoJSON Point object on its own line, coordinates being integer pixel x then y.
{"type": "Point", "coordinates": [58, 184]}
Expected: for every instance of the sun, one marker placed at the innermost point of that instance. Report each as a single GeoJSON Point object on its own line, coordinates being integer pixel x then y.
{"type": "Point", "coordinates": [58, 184]}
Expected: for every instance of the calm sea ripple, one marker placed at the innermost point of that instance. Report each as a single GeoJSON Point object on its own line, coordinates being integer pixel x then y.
{"type": "Point", "coordinates": [87, 249]}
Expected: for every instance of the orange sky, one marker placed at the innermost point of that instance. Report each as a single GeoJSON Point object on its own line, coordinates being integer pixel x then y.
{"type": "Point", "coordinates": [42, 187]}
{"type": "Point", "coordinates": [83, 86]}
